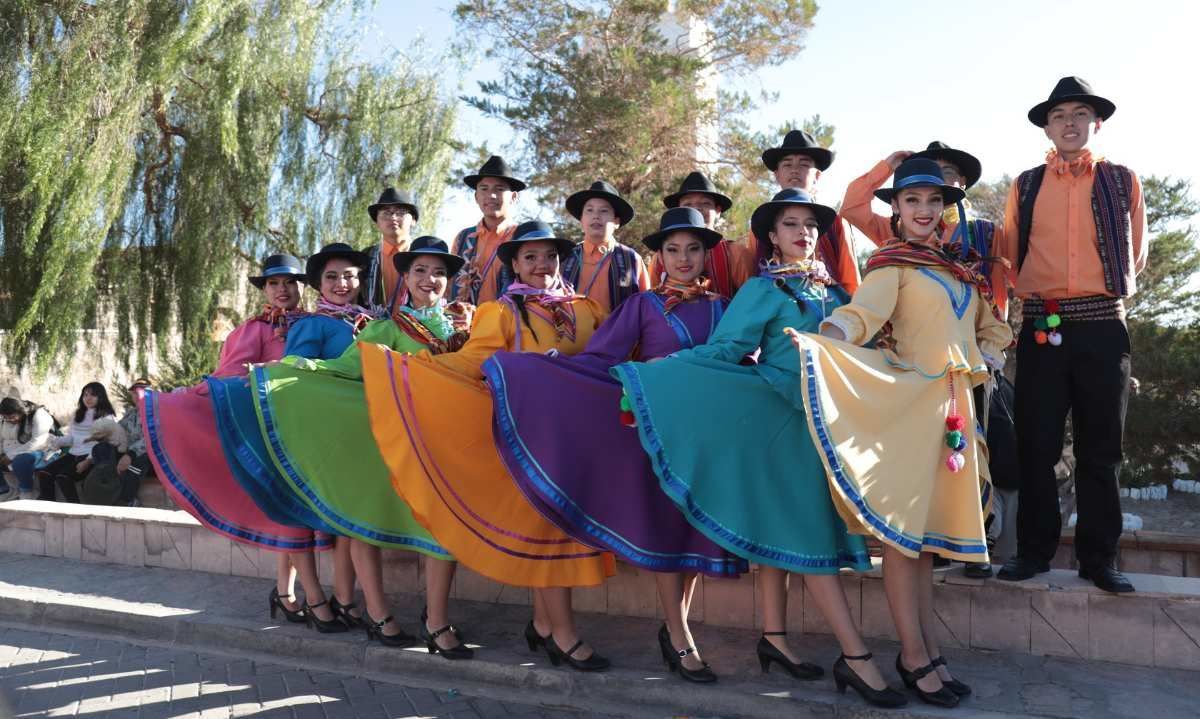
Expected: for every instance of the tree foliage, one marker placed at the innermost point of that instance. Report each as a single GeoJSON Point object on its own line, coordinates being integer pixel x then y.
{"type": "Point", "coordinates": [594, 89]}
{"type": "Point", "coordinates": [148, 148]}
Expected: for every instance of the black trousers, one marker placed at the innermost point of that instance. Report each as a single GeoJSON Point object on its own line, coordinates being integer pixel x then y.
{"type": "Point", "coordinates": [1088, 376]}
{"type": "Point", "coordinates": [60, 472]}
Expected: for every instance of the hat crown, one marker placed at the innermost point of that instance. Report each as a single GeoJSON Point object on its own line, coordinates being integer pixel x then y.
{"type": "Point", "coordinates": [495, 167]}
{"type": "Point", "coordinates": [429, 243]}
{"type": "Point", "coordinates": [938, 145]}
{"type": "Point", "coordinates": [392, 196]}
{"type": "Point", "coordinates": [697, 181]}
{"type": "Point", "coordinates": [917, 166]}
{"type": "Point", "coordinates": [1071, 85]}
{"type": "Point", "coordinates": [681, 216]}
{"type": "Point", "coordinates": [603, 186]}
{"type": "Point", "coordinates": [792, 194]}
{"type": "Point", "coordinates": [800, 139]}
{"type": "Point", "coordinates": [282, 260]}
{"type": "Point", "coordinates": [533, 230]}
{"type": "Point", "coordinates": [336, 247]}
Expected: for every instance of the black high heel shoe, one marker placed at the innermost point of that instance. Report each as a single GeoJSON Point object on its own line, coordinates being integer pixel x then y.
{"type": "Point", "coordinates": [275, 601]}
{"type": "Point", "coordinates": [943, 697]}
{"type": "Point", "coordinates": [459, 651]}
{"type": "Point", "coordinates": [375, 631]}
{"type": "Point", "coordinates": [594, 663]}
{"type": "Point", "coordinates": [674, 660]}
{"type": "Point", "coordinates": [342, 611]}
{"type": "Point", "coordinates": [331, 626]}
{"type": "Point", "coordinates": [767, 653]}
{"type": "Point", "coordinates": [844, 676]}
{"type": "Point", "coordinates": [458, 633]}
{"type": "Point", "coordinates": [532, 638]}
{"type": "Point", "coordinates": [954, 685]}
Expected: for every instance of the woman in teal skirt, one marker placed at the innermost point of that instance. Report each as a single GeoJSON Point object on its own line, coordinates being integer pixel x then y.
{"type": "Point", "coordinates": [747, 475]}
{"type": "Point", "coordinates": [341, 477]}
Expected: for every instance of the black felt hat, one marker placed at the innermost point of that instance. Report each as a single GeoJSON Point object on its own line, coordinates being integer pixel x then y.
{"type": "Point", "coordinates": [316, 264]}
{"type": "Point", "coordinates": [798, 142]}
{"type": "Point", "coordinates": [920, 172]}
{"type": "Point", "coordinates": [532, 231]}
{"type": "Point", "coordinates": [762, 222]}
{"type": "Point", "coordinates": [495, 167]}
{"type": "Point", "coordinates": [428, 246]}
{"type": "Point", "coordinates": [276, 266]}
{"type": "Point", "coordinates": [682, 219]}
{"type": "Point", "coordinates": [966, 163]}
{"type": "Point", "coordinates": [698, 182]}
{"type": "Point", "coordinates": [392, 196]}
{"type": "Point", "coordinates": [1071, 89]}
{"type": "Point", "coordinates": [604, 191]}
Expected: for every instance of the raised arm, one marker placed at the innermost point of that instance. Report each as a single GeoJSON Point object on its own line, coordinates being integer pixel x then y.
{"type": "Point", "coordinates": [856, 207]}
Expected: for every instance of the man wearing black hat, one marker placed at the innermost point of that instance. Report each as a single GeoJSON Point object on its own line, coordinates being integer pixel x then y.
{"type": "Point", "coordinates": [485, 277]}
{"type": "Point", "coordinates": [728, 264]}
{"type": "Point", "coordinates": [960, 169]}
{"type": "Point", "coordinates": [1074, 239]}
{"type": "Point", "coordinates": [601, 268]}
{"type": "Point", "coordinates": [394, 214]}
{"type": "Point", "coordinates": [797, 164]}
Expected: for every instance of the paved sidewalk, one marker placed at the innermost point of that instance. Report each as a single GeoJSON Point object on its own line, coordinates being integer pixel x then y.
{"type": "Point", "coordinates": [53, 675]}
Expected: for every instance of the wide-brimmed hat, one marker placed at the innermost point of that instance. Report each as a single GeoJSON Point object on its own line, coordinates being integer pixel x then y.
{"type": "Point", "coordinates": [316, 264]}
{"type": "Point", "coordinates": [428, 246]}
{"type": "Point", "coordinates": [604, 191]}
{"type": "Point", "coordinates": [682, 219]}
{"type": "Point", "coordinates": [762, 222]}
{"type": "Point", "coordinates": [392, 196]}
{"type": "Point", "coordinates": [1071, 89]}
{"type": "Point", "coordinates": [920, 172]}
{"type": "Point", "coordinates": [798, 142]}
{"type": "Point", "coordinates": [966, 163]}
{"type": "Point", "coordinates": [139, 382]}
{"type": "Point", "coordinates": [495, 167]}
{"type": "Point", "coordinates": [698, 183]}
{"type": "Point", "coordinates": [533, 231]}
{"type": "Point", "coordinates": [276, 266]}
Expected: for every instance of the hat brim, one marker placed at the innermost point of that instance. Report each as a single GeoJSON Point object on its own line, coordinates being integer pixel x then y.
{"type": "Point", "coordinates": [822, 157]}
{"type": "Point", "coordinates": [316, 263]}
{"type": "Point", "coordinates": [403, 260]}
{"type": "Point", "coordinates": [373, 210]}
{"type": "Point", "coordinates": [967, 164]}
{"type": "Point", "coordinates": [672, 201]}
{"type": "Point", "coordinates": [507, 251]}
{"type": "Point", "coordinates": [260, 281]}
{"type": "Point", "coordinates": [623, 209]}
{"type": "Point", "coordinates": [1103, 106]}
{"type": "Point", "coordinates": [950, 195]}
{"type": "Point", "coordinates": [473, 180]}
{"type": "Point", "coordinates": [762, 222]}
{"type": "Point", "coordinates": [709, 238]}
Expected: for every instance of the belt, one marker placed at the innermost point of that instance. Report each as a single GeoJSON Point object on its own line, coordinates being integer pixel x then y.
{"type": "Point", "coordinates": [1076, 309]}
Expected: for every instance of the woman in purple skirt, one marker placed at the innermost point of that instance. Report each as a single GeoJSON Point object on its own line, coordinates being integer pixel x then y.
{"type": "Point", "coordinates": [558, 426]}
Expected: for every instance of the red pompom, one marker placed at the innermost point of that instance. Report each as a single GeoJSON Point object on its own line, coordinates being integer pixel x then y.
{"type": "Point", "coordinates": [955, 423]}
{"type": "Point", "coordinates": [628, 419]}
{"type": "Point", "coordinates": [1051, 307]}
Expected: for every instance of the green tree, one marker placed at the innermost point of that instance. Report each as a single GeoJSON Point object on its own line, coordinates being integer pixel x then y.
{"type": "Point", "coordinates": [988, 198]}
{"type": "Point", "coordinates": [150, 148]}
{"type": "Point", "coordinates": [596, 90]}
{"type": "Point", "coordinates": [1166, 288]}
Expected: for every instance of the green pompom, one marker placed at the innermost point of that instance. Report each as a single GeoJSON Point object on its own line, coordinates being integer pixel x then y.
{"type": "Point", "coordinates": [1041, 323]}
{"type": "Point", "coordinates": [953, 438]}
{"type": "Point", "coordinates": [625, 407]}
{"type": "Point", "coordinates": [1053, 321]}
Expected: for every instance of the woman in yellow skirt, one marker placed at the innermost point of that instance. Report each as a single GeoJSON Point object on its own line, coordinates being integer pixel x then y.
{"type": "Point", "coordinates": [432, 419]}
{"type": "Point", "coordinates": [895, 426]}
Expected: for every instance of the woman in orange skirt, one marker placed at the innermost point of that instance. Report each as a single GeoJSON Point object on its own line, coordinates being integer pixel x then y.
{"type": "Point", "coordinates": [432, 419]}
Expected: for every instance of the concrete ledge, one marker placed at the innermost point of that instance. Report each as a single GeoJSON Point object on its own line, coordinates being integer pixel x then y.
{"type": "Point", "coordinates": [1056, 614]}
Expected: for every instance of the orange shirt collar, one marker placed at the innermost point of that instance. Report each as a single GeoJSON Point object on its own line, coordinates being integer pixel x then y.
{"type": "Point", "coordinates": [502, 232]}
{"type": "Point", "coordinates": [1063, 167]}
{"type": "Point", "coordinates": [597, 251]}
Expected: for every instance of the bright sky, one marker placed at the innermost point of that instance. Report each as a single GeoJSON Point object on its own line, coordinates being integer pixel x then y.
{"type": "Point", "coordinates": [982, 65]}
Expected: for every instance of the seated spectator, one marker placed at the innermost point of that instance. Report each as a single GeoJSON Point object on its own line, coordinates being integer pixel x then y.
{"type": "Point", "coordinates": [70, 468]}
{"type": "Point", "coordinates": [24, 440]}
{"type": "Point", "coordinates": [135, 464]}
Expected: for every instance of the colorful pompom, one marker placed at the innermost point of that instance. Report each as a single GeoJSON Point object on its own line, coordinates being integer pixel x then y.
{"type": "Point", "coordinates": [962, 444]}
{"type": "Point", "coordinates": [1051, 307]}
{"type": "Point", "coordinates": [1054, 338]}
{"type": "Point", "coordinates": [1040, 337]}
{"type": "Point", "coordinates": [953, 438]}
{"type": "Point", "coordinates": [628, 419]}
{"type": "Point", "coordinates": [625, 406]}
{"type": "Point", "coordinates": [955, 422]}
{"type": "Point", "coordinates": [955, 462]}
{"type": "Point", "coordinates": [1053, 321]}
{"type": "Point", "coordinates": [1040, 323]}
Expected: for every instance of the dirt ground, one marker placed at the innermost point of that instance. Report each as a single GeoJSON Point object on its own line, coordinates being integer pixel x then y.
{"type": "Point", "coordinates": [1179, 513]}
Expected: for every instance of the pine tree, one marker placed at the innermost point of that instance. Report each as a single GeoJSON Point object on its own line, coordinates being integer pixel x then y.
{"type": "Point", "coordinates": [150, 148]}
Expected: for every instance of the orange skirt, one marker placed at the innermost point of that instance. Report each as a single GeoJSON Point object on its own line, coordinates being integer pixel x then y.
{"type": "Point", "coordinates": [434, 430]}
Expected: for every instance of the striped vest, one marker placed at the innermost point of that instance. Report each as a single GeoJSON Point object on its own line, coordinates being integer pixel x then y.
{"type": "Point", "coordinates": [622, 273]}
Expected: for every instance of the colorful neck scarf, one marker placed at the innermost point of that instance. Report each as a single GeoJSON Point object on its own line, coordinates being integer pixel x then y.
{"type": "Point", "coordinates": [1061, 166]}
{"type": "Point", "coordinates": [812, 270]}
{"type": "Point", "coordinates": [899, 253]}
{"type": "Point", "coordinates": [352, 314]}
{"type": "Point", "coordinates": [279, 319]}
{"type": "Point", "coordinates": [678, 292]}
{"type": "Point", "coordinates": [428, 325]}
{"type": "Point", "coordinates": [552, 304]}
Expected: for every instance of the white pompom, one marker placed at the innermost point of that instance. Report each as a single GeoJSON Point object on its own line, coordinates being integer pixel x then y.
{"type": "Point", "coordinates": [1072, 519]}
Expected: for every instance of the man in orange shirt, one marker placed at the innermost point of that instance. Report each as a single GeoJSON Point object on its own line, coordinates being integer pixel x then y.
{"type": "Point", "coordinates": [394, 214]}
{"type": "Point", "coordinates": [798, 163]}
{"type": "Point", "coordinates": [1074, 238]}
{"type": "Point", "coordinates": [484, 277]}
{"type": "Point", "coordinates": [727, 265]}
{"type": "Point", "coordinates": [600, 267]}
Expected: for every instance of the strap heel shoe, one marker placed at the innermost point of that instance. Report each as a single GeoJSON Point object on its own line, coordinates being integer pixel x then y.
{"type": "Point", "coordinates": [943, 697]}
{"type": "Point", "coordinates": [768, 653]}
{"type": "Point", "coordinates": [458, 633]}
{"type": "Point", "coordinates": [532, 638]}
{"type": "Point", "coordinates": [594, 663]}
{"type": "Point", "coordinates": [458, 651]}
{"type": "Point", "coordinates": [275, 602]}
{"type": "Point", "coordinates": [342, 611]}
{"type": "Point", "coordinates": [844, 676]}
{"type": "Point", "coordinates": [954, 685]}
{"type": "Point", "coordinates": [673, 658]}
{"type": "Point", "coordinates": [374, 630]}
{"type": "Point", "coordinates": [331, 626]}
